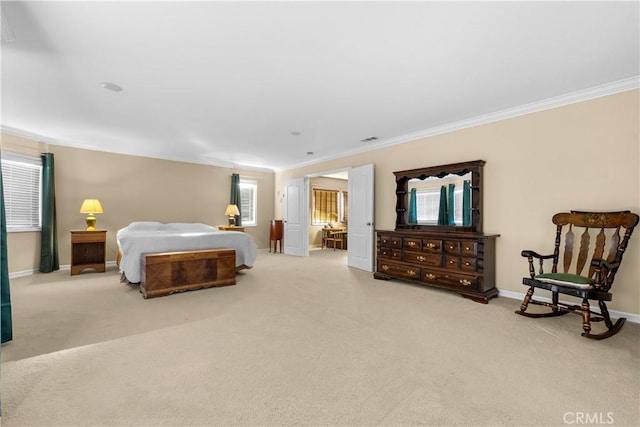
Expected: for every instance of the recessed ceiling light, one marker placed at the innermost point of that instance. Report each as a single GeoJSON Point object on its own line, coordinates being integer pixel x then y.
{"type": "Point", "coordinates": [370, 139]}
{"type": "Point", "coordinates": [309, 153]}
{"type": "Point", "coordinates": [295, 133]}
{"type": "Point", "coordinates": [111, 86]}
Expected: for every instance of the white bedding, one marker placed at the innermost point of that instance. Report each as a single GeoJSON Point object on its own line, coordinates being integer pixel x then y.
{"type": "Point", "coordinates": [147, 236]}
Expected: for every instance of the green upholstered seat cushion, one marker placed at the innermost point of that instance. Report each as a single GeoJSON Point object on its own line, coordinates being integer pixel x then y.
{"type": "Point", "coordinates": [566, 279]}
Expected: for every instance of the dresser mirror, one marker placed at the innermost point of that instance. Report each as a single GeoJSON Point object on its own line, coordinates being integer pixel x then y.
{"type": "Point", "coordinates": [456, 187]}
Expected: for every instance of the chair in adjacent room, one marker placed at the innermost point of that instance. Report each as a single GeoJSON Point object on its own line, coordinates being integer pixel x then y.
{"type": "Point", "coordinates": [604, 236]}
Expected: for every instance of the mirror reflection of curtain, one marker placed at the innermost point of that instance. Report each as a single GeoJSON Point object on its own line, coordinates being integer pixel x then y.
{"type": "Point", "coordinates": [466, 204]}
{"type": "Point", "coordinates": [451, 208]}
{"type": "Point", "coordinates": [413, 208]}
{"type": "Point", "coordinates": [6, 324]}
{"type": "Point", "coordinates": [443, 216]}
{"type": "Point", "coordinates": [235, 196]}
{"type": "Point", "coordinates": [49, 259]}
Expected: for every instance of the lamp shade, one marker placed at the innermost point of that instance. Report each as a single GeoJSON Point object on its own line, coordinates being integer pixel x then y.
{"type": "Point", "coordinates": [91, 206]}
{"type": "Point", "coordinates": [232, 210]}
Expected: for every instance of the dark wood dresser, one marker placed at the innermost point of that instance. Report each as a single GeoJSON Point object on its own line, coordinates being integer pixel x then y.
{"type": "Point", "coordinates": [451, 253]}
{"type": "Point", "coordinates": [463, 262]}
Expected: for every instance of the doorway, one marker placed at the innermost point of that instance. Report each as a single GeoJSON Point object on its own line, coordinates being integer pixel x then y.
{"type": "Point", "coordinates": [352, 207]}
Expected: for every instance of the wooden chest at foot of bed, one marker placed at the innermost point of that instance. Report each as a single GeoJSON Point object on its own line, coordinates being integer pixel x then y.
{"type": "Point", "coordinates": [169, 272]}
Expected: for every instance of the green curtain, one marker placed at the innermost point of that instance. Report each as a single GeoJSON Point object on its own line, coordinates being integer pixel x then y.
{"type": "Point", "coordinates": [466, 204]}
{"type": "Point", "coordinates": [49, 260]}
{"type": "Point", "coordinates": [413, 208]}
{"type": "Point", "coordinates": [235, 196]}
{"type": "Point", "coordinates": [443, 217]}
{"type": "Point", "coordinates": [6, 324]}
{"type": "Point", "coordinates": [451, 209]}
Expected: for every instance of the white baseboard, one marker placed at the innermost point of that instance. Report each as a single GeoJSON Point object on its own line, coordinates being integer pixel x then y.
{"type": "Point", "coordinates": [634, 318]}
{"type": "Point", "coordinates": [65, 267]}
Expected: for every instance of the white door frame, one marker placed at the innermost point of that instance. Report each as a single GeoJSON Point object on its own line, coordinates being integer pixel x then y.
{"type": "Point", "coordinates": [308, 194]}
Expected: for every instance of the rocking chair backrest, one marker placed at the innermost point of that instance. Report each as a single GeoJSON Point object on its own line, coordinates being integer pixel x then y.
{"type": "Point", "coordinates": [607, 232]}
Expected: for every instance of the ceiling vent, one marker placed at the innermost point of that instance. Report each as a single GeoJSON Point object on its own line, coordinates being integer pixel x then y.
{"type": "Point", "coordinates": [370, 139]}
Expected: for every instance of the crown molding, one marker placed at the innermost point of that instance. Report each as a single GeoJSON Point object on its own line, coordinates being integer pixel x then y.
{"type": "Point", "coordinates": [612, 88]}
{"type": "Point", "coordinates": [52, 141]}
{"type": "Point", "coordinates": [533, 107]}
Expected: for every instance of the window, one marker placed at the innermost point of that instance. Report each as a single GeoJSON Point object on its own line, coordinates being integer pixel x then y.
{"type": "Point", "coordinates": [248, 201]}
{"type": "Point", "coordinates": [329, 206]}
{"type": "Point", "coordinates": [22, 185]}
{"type": "Point", "coordinates": [428, 205]}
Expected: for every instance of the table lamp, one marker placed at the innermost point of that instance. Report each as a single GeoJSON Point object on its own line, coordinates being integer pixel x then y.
{"type": "Point", "coordinates": [90, 207]}
{"type": "Point", "coordinates": [232, 211]}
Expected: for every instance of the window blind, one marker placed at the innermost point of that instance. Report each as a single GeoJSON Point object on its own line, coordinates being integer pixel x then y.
{"type": "Point", "coordinates": [248, 201]}
{"type": "Point", "coordinates": [22, 185]}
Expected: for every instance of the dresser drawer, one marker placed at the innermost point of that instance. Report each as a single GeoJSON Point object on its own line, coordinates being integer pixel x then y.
{"type": "Point", "coordinates": [451, 280]}
{"type": "Point", "coordinates": [469, 264]}
{"type": "Point", "coordinates": [432, 246]}
{"type": "Point", "coordinates": [395, 242]}
{"type": "Point", "coordinates": [412, 244]}
{"type": "Point", "coordinates": [468, 248]}
{"type": "Point", "coordinates": [451, 247]}
{"type": "Point", "coordinates": [451, 262]}
{"type": "Point", "coordinates": [399, 270]}
{"type": "Point", "coordinates": [384, 241]}
{"type": "Point", "coordinates": [391, 253]}
{"type": "Point", "coordinates": [423, 259]}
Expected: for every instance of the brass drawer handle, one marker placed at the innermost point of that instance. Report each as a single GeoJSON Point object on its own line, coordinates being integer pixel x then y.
{"type": "Point", "coordinates": [412, 273]}
{"type": "Point", "coordinates": [385, 267]}
{"type": "Point", "coordinates": [465, 282]}
{"type": "Point", "coordinates": [452, 262]}
{"type": "Point", "coordinates": [411, 243]}
{"type": "Point", "coordinates": [431, 245]}
{"type": "Point", "coordinates": [421, 258]}
{"type": "Point", "coordinates": [395, 242]}
{"type": "Point", "coordinates": [430, 276]}
{"type": "Point", "coordinates": [451, 247]}
{"type": "Point", "coordinates": [467, 248]}
{"type": "Point", "coordinates": [467, 264]}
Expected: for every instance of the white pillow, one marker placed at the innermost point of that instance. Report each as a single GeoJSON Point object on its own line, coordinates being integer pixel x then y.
{"type": "Point", "coordinates": [188, 226]}
{"type": "Point", "coordinates": [144, 225]}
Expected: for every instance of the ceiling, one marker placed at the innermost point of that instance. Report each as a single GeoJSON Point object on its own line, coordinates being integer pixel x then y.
{"type": "Point", "coordinates": [264, 84]}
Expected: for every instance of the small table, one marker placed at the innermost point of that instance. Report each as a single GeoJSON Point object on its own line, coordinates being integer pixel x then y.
{"type": "Point", "coordinates": [333, 236]}
{"type": "Point", "coordinates": [88, 250]}
{"type": "Point", "coordinates": [230, 228]}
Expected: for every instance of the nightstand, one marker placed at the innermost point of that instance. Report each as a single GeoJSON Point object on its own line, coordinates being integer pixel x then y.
{"type": "Point", "coordinates": [230, 228]}
{"type": "Point", "coordinates": [88, 250]}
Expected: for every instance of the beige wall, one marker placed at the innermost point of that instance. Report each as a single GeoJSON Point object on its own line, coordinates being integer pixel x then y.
{"type": "Point", "coordinates": [583, 156]}
{"type": "Point", "coordinates": [132, 188]}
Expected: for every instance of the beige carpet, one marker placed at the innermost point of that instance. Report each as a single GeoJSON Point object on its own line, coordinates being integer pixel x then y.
{"type": "Point", "coordinates": [302, 341]}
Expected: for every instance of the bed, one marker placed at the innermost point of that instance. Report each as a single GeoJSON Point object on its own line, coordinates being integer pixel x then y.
{"type": "Point", "coordinates": [143, 237]}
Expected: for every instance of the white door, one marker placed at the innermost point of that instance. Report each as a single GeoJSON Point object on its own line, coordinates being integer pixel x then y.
{"type": "Point", "coordinates": [360, 230]}
{"type": "Point", "coordinates": [296, 212]}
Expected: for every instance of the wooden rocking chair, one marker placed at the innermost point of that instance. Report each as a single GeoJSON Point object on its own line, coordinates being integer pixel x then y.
{"type": "Point", "coordinates": [597, 282]}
